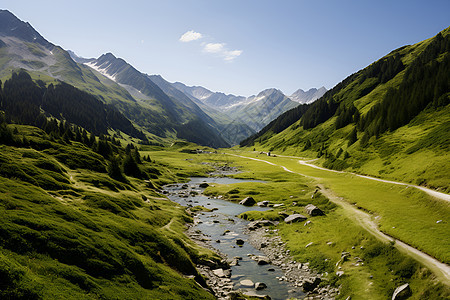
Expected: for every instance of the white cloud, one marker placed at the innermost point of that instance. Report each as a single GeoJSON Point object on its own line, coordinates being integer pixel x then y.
{"type": "Point", "coordinates": [190, 36]}
{"type": "Point", "coordinates": [219, 49]}
{"type": "Point", "coordinates": [214, 47]}
{"type": "Point", "coordinates": [230, 55]}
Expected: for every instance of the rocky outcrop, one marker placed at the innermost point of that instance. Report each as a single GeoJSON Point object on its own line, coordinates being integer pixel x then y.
{"type": "Point", "coordinates": [249, 201]}
{"type": "Point", "coordinates": [313, 210]}
{"type": "Point", "coordinates": [295, 218]}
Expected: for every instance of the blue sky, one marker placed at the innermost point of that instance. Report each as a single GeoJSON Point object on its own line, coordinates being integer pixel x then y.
{"type": "Point", "coordinates": [242, 47]}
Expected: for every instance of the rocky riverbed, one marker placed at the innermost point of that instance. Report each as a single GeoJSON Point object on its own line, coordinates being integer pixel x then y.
{"type": "Point", "coordinates": [297, 273]}
{"type": "Point", "coordinates": [268, 254]}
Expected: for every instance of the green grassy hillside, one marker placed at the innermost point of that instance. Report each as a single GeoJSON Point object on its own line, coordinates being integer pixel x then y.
{"type": "Point", "coordinates": [70, 230]}
{"type": "Point", "coordinates": [388, 120]}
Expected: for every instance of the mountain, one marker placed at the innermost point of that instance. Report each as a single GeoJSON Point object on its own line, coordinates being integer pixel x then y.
{"type": "Point", "coordinates": [215, 100]}
{"type": "Point", "coordinates": [231, 130]}
{"type": "Point", "coordinates": [257, 111]}
{"type": "Point", "coordinates": [13, 27]}
{"type": "Point", "coordinates": [379, 119]}
{"type": "Point", "coordinates": [254, 111]}
{"type": "Point", "coordinates": [309, 96]}
{"type": "Point", "coordinates": [130, 91]}
{"type": "Point", "coordinates": [181, 113]}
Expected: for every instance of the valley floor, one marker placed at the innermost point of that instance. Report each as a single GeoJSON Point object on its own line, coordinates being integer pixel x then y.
{"type": "Point", "coordinates": [367, 220]}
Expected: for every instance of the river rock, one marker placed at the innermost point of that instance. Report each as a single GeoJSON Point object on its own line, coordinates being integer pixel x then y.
{"type": "Point", "coordinates": [295, 218]}
{"type": "Point", "coordinates": [247, 283]}
{"type": "Point", "coordinates": [402, 292]}
{"type": "Point", "coordinates": [203, 185]}
{"type": "Point", "coordinates": [263, 203]}
{"type": "Point", "coordinates": [219, 273]}
{"type": "Point", "coordinates": [234, 261]}
{"type": "Point", "coordinates": [240, 242]}
{"type": "Point", "coordinates": [249, 201]}
{"type": "Point", "coordinates": [278, 205]}
{"type": "Point", "coordinates": [260, 286]}
{"type": "Point", "coordinates": [310, 284]}
{"type": "Point", "coordinates": [258, 224]}
{"type": "Point", "coordinates": [184, 186]}
{"type": "Point", "coordinates": [254, 295]}
{"type": "Point", "coordinates": [262, 260]}
{"type": "Point", "coordinates": [313, 210]}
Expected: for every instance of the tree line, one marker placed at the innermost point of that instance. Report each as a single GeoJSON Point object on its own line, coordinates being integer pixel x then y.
{"type": "Point", "coordinates": [27, 102]}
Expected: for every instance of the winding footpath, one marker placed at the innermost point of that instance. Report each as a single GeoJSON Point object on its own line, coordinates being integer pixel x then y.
{"type": "Point", "coordinates": [441, 270]}
{"type": "Point", "coordinates": [433, 193]}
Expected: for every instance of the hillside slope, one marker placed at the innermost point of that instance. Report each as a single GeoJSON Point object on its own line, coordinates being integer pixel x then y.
{"type": "Point", "coordinates": [81, 219]}
{"type": "Point", "coordinates": [390, 119]}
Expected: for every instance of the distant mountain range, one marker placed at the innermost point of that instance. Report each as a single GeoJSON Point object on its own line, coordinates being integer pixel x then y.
{"type": "Point", "coordinates": [164, 110]}
{"type": "Point", "coordinates": [255, 111]}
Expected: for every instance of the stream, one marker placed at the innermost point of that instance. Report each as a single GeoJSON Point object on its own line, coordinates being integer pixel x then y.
{"type": "Point", "coordinates": [224, 217]}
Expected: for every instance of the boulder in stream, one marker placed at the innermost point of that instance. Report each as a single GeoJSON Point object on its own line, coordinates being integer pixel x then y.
{"type": "Point", "coordinates": [254, 295]}
{"type": "Point", "coordinates": [240, 242]}
{"type": "Point", "coordinates": [260, 286]}
{"type": "Point", "coordinates": [247, 283]}
{"type": "Point", "coordinates": [262, 260]}
{"type": "Point", "coordinates": [249, 201]}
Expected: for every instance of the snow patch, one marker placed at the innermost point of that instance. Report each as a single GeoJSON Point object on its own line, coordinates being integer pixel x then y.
{"type": "Point", "coordinates": [103, 71]}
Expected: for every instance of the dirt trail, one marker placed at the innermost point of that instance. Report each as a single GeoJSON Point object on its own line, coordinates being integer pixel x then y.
{"type": "Point", "coordinates": [433, 193]}
{"type": "Point", "coordinates": [365, 220]}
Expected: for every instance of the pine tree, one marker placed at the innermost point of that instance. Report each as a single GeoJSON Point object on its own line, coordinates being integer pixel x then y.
{"type": "Point", "coordinates": [130, 167]}
{"type": "Point", "coordinates": [114, 170]}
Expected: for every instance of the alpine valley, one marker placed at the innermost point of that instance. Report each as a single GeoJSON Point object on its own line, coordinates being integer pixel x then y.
{"type": "Point", "coordinates": [343, 193]}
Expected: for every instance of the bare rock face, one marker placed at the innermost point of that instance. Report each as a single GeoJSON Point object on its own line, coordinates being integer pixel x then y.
{"type": "Point", "coordinates": [249, 201]}
{"type": "Point", "coordinates": [402, 292]}
{"type": "Point", "coordinates": [295, 218]}
{"type": "Point", "coordinates": [313, 210]}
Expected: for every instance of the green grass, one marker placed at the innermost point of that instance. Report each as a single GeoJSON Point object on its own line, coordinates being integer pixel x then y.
{"type": "Point", "coordinates": [413, 213]}
{"type": "Point", "coordinates": [68, 232]}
